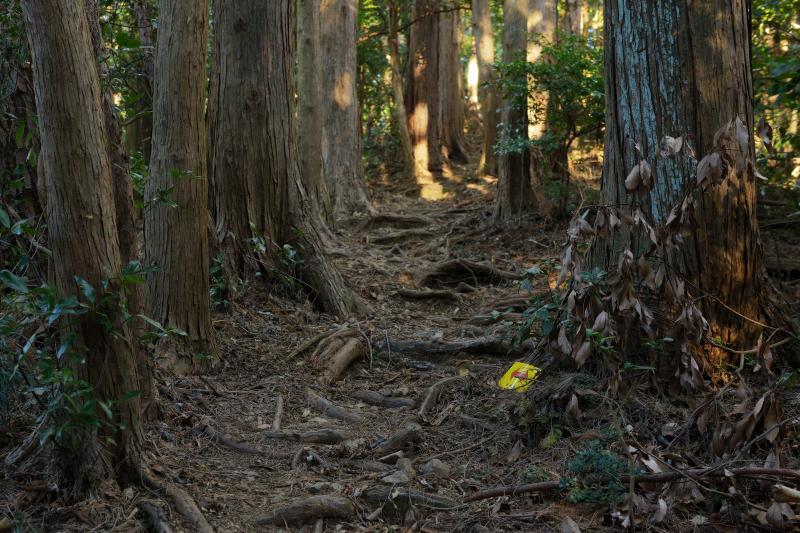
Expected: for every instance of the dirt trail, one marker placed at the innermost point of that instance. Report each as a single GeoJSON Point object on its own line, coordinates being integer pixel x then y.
{"type": "Point", "coordinates": [464, 441]}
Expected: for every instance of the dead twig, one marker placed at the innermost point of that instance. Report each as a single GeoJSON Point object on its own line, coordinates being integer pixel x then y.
{"type": "Point", "coordinates": [376, 398]}
{"type": "Point", "coordinates": [276, 421]}
{"type": "Point", "coordinates": [434, 391]}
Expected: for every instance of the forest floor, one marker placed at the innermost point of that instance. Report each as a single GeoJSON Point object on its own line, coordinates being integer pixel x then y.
{"type": "Point", "coordinates": [216, 439]}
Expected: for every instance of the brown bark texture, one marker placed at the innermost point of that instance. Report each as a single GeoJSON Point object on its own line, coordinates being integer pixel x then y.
{"type": "Point", "coordinates": [83, 232]}
{"type": "Point", "coordinates": [341, 137]}
{"type": "Point", "coordinates": [401, 115]}
{"type": "Point", "coordinates": [489, 104]}
{"type": "Point", "coordinates": [176, 229]}
{"type": "Point", "coordinates": [254, 161]}
{"type": "Point", "coordinates": [683, 69]}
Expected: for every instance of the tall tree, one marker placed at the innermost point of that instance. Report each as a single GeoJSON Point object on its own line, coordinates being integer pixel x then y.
{"type": "Point", "coordinates": [434, 86]}
{"type": "Point", "coordinates": [573, 20]}
{"type": "Point", "coordinates": [261, 203]}
{"type": "Point", "coordinates": [309, 93]}
{"type": "Point", "coordinates": [341, 136]}
{"type": "Point", "coordinates": [129, 244]}
{"type": "Point", "coordinates": [694, 81]}
{"type": "Point", "coordinates": [484, 49]}
{"type": "Point", "coordinates": [401, 115]}
{"type": "Point", "coordinates": [515, 195]}
{"type": "Point", "coordinates": [139, 131]}
{"type": "Point", "coordinates": [176, 230]}
{"type": "Point", "coordinates": [83, 237]}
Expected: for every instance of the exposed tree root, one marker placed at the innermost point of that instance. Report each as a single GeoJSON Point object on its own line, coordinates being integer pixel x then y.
{"type": "Point", "coordinates": [455, 271]}
{"type": "Point", "coordinates": [397, 221]}
{"type": "Point", "coordinates": [153, 518]}
{"type": "Point", "coordinates": [660, 477]}
{"type": "Point", "coordinates": [402, 236]}
{"type": "Point", "coordinates": [404, 498]}
{"type": "Point", "coordinates": [183, 503]}
{"type": "Point", "coordinates": [427, 294]}
{"type": "Point", "coordinates": [434, 391]}
{"type": "Point", "coordinates": [399, 441]}
{"type": "Point", "coordinates": [319, 436]}
{"type": "Point", "coordinates": [276, 421]}
{"type": "Point", "coordinates": [307, 510]}
{"type": "Point", "coordinates": [228, 442]}
{"type": "Point", "coordinates": [314, 341]}
{"type": "Point", "coordinates": [376, 398]}
{"type": "Point", "coordinates": [481, 345]}
{"type": "Point", "coordinates": [328, 408]}
{"type": "Point", "coordinates": [351, 350]}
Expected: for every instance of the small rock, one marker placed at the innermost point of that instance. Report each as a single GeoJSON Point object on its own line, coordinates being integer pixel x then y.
{"type": "Point", "coordinates": [324, 487]}
{"type": "Point", "coordinates": [435, 467]}
{"type": "Point", "coordinates": [352, 445]}
{"type": "Point", "coordinates": [396, 478]}
{"type": "Point", "coordinates": [406, 466]}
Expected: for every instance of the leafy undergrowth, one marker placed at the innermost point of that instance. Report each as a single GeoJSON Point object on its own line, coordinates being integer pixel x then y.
{"type": "Point", "coordinates": [571, 434]}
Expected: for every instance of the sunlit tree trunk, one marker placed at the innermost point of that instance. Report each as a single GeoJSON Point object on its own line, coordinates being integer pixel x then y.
{"type": "Point", "coordinates": [176, 229]}
{"type": "Point", "coordinates": [401, 116]}
{"type": "Point", "coordinates": [341, 139]}
{"type": "Point", "coordinates": [574, 16]}
{"type": "Point", "coordinates": [683, 69]}
{"type": "Point", "coordinates": [515, 195]}
{"type": "Point", "coordinates": [309, 98]}
{"type": "Point", "coordinates": [484, 49]}
{"type": "Point", "coordinates": [82, 234]}
{"type": "Point", "coordinates": [261, 203]}
{"type": "Point", "coordinates": [451, 87]}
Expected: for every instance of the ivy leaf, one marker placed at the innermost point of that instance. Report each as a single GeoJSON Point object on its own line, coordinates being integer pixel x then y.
{"type": "Point", "coordinates": [13, 282]}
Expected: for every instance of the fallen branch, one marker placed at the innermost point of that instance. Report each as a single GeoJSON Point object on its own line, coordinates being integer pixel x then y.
{"type": "Point", "coordinates": [225, 441]}
{"type": "Point", "coordinates": [399, 440]}
{"type": "Point", "coordinates": [455, 271]}
{"type": "Point", "coordinates": [328, 408]}
{"type": "Point", "coordinates": [659, 477]}
{"type": "Point", "coordinates": [183, 503]}
{"type": "Point", "coordinates": [429, 294]}
{"type": "Point", "coordinates": [434, 391]}
{"type": "Point", "coordinates": [376, 398]}
{"type": "Point", "coordinates": [353, 349]}
{"type": "Point", "coordinates": [319, 436]}
{"type": "Point", "coordinates": [309, 509]}
{"type": "Point", "coordinates": [381, 495]}
{"type": "Point", "coordinates": [276, 421]}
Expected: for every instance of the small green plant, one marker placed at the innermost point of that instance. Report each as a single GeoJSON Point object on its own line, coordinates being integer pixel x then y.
{"type": "Point", "coordinates": [594, 475]}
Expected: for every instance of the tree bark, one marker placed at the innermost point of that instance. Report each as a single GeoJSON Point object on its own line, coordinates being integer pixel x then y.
{"type": "Point", "coordinates": [260, 197]}
{"type": "Point", "coordinates": [484, 48]}
{"type": "Point", "coordinates": [309, 92]}
{"type": "Point", "coordinates": [451, 87]}
{"type": "Point", "coordinates": [341, 137]}
{"type": "Point", "coordinates": [683, 69]}
{"type": "Point", "coordinates": [176, 236]}
{"type": "Point", "coordinates": [401, 116]}
{"type": "Point", "coordinates": [139, 132]}
{"type": "Point", "coordinates": [129, 244]}
{"type": "Point", "coordinates": [82, 225]}
{"type": "Point", "coordinates": [515, 195]}
{"type": "Point", "coordinates": [574, 17]}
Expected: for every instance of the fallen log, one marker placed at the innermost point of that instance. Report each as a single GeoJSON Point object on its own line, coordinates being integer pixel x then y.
{"type": "Point", "coordinates": [307, 510]}
{"type": "Point", "coordinates": [376, 398]}
{"type": "Point", "coordinates": [328, 408]}
{"type": "Point", "coordinates": [353, 349]}
{"type": "Point", "coordinates": [659, 477]}
{"type": "Point", "coordinates": [398, 441]}
{"type": "Point", "coordinates": [319, 436]}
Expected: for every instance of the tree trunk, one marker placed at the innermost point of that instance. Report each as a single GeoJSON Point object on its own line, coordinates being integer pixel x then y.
{"type": "Point", "coordinates": [484, 48]}
{"type": "Point", "coordinates": [574, 17]}
{"type": "Point", "coordinates": [341, 138]}
{"type": "Point", "coordinates": [515, 195]}
{"type": "Point", "coordinates": [401, 117]}
{"type": "Point", "coordinates": [683, 69]}
{"type": "Point", "coordinates": [309, 92]}
{"type": "Point", "coordinates": [451, 87]}
{"type": "Point", "coordinates": [422, 96]}
{"type": "Point", "coordinates": [129, 245]}
{"type": "Point", "coordinates": [82, 225]}
{"type": "Point", "coordinates": [176, 230]}
{"type": "Point", "coordinates": [542, 24]}
{"type": "Point", "coordinates": [261, 203]}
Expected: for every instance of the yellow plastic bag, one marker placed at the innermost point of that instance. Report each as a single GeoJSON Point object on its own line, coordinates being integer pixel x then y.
{"type": "Point", "coordinates": [519, 377]}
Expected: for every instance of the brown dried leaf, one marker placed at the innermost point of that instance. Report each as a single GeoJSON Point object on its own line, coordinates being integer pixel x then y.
{"type": "Point", "coordinates": [784, 494]}
{"type": "Point", "coordinates": [634, 179]}
{"type": "Point", "coordinates": [765, 134]}
{"type": "Point", "coordinates": [670, 146]}
{"type": "Point", "coordinates": [646, 174]}
{"type": "Point", "coordinates": [573, 408]}
{"type": "Point", "coordinates": [710, 170]}
{"type": "Point", "coordinates": [563, 343]}
{"type": "Point", "coordinates": [661, 512]}
{"type": "Point", "coordinates": [583, 353]}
